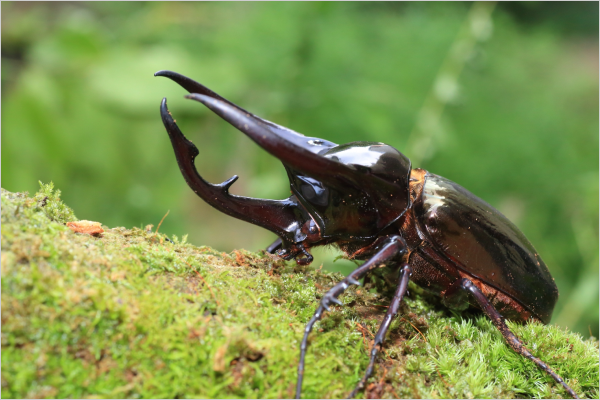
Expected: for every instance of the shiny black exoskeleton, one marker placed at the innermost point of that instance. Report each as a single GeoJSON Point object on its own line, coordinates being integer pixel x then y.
{"type": "Point", "coordinates": [366, 198]}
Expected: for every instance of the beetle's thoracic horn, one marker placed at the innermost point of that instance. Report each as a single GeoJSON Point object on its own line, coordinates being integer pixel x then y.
{"type": "Point", "coordinates": [291, 148]}
{"type": "Point", "coordinates": [295, 150]}
{"type": "Point", "coordinates": [277, 216]}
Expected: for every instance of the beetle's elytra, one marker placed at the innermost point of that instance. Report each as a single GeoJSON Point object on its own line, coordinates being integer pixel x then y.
{"type": "Point", "coordinates": [367, 199]}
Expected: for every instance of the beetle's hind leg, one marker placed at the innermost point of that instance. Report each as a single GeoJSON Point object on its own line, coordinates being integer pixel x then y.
{"type": "Point", "coordinates": [390, 248]}
{"type": "Point", "coordinates": [405, 272]}
{"type": "Point", "coordinates": [456, 293]}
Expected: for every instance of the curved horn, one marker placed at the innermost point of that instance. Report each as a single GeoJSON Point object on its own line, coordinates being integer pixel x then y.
{"type": "Point", "coordinates": [278, 216]}
{"type": "Point", "coordinates": [292, 148]}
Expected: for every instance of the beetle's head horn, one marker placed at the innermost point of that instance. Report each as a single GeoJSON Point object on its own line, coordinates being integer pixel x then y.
{"type": "Point", "coordinates": [342, 192]}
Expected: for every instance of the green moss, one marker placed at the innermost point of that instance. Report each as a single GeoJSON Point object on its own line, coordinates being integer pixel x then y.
{"type": "Point", "coordinates": [129, 314]}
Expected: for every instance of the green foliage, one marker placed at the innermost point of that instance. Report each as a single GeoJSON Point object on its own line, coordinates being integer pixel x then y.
{"type": "Point", "coordinates": [128, 314]}
{"type": "Point", "coordinates": [505, 109]}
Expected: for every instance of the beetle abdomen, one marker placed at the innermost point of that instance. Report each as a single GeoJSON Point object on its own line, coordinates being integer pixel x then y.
{"type": "Point", "coordinates": [482, 242]}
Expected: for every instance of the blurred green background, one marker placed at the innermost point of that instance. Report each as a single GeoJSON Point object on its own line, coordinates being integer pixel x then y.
{"type": "Point", "coordinates": [502, 99]}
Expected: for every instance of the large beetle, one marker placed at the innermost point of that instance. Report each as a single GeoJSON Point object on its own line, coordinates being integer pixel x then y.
{"type": "Point", "coordinates": [365, 198]}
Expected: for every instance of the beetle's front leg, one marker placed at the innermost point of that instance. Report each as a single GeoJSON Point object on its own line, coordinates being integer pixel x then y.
{"type": "Point", "coordinates": [463, 288]}
{"type": "Point", "coordinates": [401, 290]}
{"type": "Point", "coordinates": [273, 247]}
{"type": "Point", "coordinates": [389, 249]}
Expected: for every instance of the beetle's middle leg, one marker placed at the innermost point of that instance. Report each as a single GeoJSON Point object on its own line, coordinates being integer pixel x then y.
{"type": "Point", "coordinates": [456, 294]}
{"type": "Point", "coordinates": [392, 247]}
{"type": "Point", "coordinates": [405, 272]}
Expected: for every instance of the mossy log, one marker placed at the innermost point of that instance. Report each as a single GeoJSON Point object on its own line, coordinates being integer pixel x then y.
{"type": "Point", "coordinates": [129, 313]}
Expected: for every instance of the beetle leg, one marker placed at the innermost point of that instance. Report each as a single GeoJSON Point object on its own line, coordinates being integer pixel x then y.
{"type": "Point", "coordinates": [390, 249]}
{"type": "Point", "coordinates": [276, 245]}
{"type": "Point", "coordinates": [401, 290]}
{"type": "Point", "coordinates": [498, 320]}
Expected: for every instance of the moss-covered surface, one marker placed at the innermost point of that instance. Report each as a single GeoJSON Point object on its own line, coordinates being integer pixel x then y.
{"type": "Point", "coordinates": [130, 314]}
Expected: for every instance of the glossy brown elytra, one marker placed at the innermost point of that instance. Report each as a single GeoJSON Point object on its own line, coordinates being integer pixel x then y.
{"type": "Point", "coordinates": [365, 198]}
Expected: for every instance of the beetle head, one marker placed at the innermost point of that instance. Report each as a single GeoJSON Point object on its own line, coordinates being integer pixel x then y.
{"type": "Point", "coordinates": [348, 192]}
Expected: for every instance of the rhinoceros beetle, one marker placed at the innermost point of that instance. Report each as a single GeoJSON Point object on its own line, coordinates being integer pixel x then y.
{"type": "Point", "coordinates": [366, 198]}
